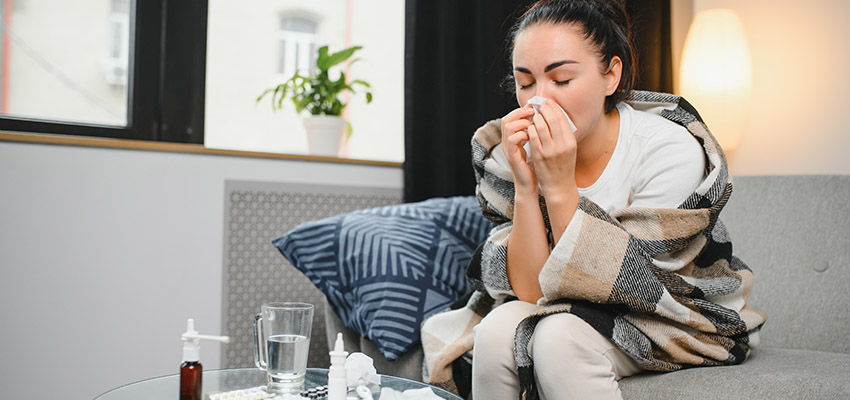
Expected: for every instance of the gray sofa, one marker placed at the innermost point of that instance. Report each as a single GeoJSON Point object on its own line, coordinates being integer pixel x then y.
{"type": "Point", "coordinates": [794, 232]}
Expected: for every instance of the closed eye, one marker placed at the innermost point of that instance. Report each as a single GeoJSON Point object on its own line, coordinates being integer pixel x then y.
{"type": "Point", "coordinates": [523, 87]}
{"type": "Point", "coordinates": [561, 83]}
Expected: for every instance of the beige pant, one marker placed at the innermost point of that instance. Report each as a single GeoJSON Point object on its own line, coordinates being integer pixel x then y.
{"type": "Point", "coordinates": [571, 359]}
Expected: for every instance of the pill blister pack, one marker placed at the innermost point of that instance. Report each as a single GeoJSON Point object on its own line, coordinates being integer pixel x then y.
{"type": "Point", "coordinates": [316, 393]}
{"type": "Point", "coordinates": [259, 393]}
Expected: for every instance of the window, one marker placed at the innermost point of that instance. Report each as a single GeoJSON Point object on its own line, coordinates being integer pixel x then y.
{"type": "Point", "coordinates": [118, 48]}
{"type": "Point", "coordinates": [104, 68]}
{"type": "Point", "coordinates": [190, 71]}
{"type": "Point", "coordinates": [55, 70]}
{"type": "Point", "coordinates": [297, 46]}
{"type": "Point", "coordinates": [253, 48]}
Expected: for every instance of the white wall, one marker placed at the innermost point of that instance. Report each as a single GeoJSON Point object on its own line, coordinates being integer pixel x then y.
{"type": "Point", "coordinates": [799, 121]}
{"type": "Point", "coordinates": [105, 253]}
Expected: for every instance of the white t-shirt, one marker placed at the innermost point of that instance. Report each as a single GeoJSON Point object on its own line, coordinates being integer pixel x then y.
{"type": "Point", "coordinates": [656, 163]}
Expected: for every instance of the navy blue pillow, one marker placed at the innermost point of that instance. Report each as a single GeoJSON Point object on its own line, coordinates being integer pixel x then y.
{"type": "Point", "coordinates": [384, 270]}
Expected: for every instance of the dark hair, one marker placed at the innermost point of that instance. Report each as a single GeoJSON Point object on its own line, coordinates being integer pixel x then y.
{"type": "Point", "coordinates": [605, 24]}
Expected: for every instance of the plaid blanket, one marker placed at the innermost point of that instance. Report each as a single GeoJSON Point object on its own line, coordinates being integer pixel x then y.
{"type": "Point", "coordinates": [662, 284]}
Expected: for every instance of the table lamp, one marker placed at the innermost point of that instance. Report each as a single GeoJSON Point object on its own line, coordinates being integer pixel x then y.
{"type": "Point", "coordinates": [716, 74]}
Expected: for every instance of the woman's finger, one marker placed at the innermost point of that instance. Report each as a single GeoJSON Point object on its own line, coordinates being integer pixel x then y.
{"type": "Point", "coordinates": [534, 139]}
{"type": "Point", "coordinates": [516, 138]}
{"type": "Point", "coordinates": [518, 114]}
{"type": "Point", "coordinates": [514, 121]}
{"type": "Point", "coordinates": [544, 134]}
{"type": "Point", "coordinates": [518, 125]}
{"type": "Point", "coordinates": [557, 121]}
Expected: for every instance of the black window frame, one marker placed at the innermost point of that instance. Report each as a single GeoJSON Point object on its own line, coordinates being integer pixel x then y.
{"type": "Point", "coordinates": [166, 79]}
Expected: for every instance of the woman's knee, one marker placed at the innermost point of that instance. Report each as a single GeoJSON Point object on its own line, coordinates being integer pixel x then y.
{"type": "Point", "coordinates": [496, 330]}
{"type": "Point", "coordinates": [568, 335]}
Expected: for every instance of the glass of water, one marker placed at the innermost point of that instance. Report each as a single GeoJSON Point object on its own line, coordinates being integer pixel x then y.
{"type": "Point", "coordinates": [281, 342]}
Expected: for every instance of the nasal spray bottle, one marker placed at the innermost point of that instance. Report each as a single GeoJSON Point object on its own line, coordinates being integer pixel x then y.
{"type": "Point", "coordinates": [191, 369]}
{"type": "Point", "coordinates": [337, 381]}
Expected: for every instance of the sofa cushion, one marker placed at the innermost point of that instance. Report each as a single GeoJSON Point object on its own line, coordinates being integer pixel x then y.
{"type": "Point", "coordinates": [383, 270]}
{"type": "Point", "coordinates": [793, 232]}
{"type": "Point", "coordinates": [769, 373]}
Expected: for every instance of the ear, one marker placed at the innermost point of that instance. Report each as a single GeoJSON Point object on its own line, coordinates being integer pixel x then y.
{"type": "Point", "coordinates": [612, 77]}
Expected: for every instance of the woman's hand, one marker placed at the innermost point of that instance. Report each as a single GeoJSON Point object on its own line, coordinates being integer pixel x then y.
{"type": "Point", "coordinates": [514, 134]}
{"type": "Point", "coordinates": [527, 246]}
{"type": "Point", "coordinates": [553, 150]}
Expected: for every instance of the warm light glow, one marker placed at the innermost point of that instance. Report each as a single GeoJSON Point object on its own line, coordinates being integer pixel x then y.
{"type": "Point", "coordinates": [716, 75]}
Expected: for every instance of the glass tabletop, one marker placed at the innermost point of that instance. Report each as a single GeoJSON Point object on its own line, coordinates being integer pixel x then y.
{"type": "Point", "coordinates": [225, 380]}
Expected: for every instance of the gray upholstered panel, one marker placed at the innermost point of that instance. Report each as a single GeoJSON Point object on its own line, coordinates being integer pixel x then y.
{"type": "Point", "coordinates": [256, 273]}
{"type": "Point", "coordinates": [768, 374]}
{"type": "Point", "coordinates": [793, 233]}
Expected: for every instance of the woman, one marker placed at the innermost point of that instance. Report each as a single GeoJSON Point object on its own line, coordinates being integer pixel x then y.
{"type": "Point", "coordinates": [606, 253]}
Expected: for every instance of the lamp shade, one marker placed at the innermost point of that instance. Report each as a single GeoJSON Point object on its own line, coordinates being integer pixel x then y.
{"type": "Point", "coordinates": [716, 74]}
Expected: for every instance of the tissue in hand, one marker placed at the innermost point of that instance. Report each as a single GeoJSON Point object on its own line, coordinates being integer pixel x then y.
{"type": "Point", "coordinates": [536, 102]}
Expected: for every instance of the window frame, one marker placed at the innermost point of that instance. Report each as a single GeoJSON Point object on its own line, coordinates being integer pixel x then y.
{"type": "Point", "coordinates": [165, 82]}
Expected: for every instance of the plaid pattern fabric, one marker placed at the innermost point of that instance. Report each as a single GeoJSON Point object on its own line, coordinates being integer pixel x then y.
{"type": "Point", "coordinates": [662, 284]}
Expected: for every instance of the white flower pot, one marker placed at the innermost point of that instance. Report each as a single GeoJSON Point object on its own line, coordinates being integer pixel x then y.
{"type": "Point", "coordinates": [324, 134]}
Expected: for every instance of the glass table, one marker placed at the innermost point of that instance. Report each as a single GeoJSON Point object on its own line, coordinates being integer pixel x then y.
{"type": "Point", "coordinates": [225, 380]}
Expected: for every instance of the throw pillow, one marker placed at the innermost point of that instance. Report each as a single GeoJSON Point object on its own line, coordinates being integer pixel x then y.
{"type": "Point", "coordinates": [384, 270]}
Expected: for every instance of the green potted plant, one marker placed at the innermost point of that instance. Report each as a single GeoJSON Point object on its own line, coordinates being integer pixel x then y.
{"type": "Point", "coordinates": [319, 95]}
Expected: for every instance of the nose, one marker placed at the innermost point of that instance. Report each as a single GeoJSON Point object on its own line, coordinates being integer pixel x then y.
{"type": "Point", "coordinates": [542, 90]}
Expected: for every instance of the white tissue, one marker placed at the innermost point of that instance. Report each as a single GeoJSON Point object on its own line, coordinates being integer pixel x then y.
{"type": "Point", "coordinates": [360, 370]}
{"type": "Point", "coordinates": [364, 392]}
{"type": "Point", "coordinates": [409, 394]}
{"type": "Point", "coordinates": [536, 102]}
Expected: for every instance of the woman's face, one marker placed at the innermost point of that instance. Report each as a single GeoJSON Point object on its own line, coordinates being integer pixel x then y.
{"type": "Point", "coordinates": [555, 61]}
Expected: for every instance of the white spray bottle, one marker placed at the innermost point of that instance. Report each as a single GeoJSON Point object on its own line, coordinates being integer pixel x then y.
{"type": "Point", "coordinates": [191, 371]}
{"type": "Point", "coordinates": [337, 382]}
